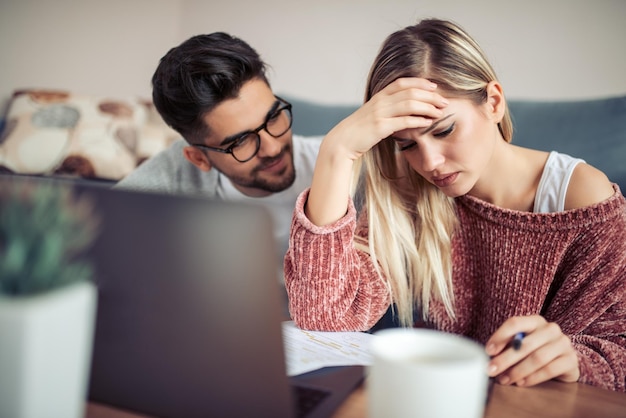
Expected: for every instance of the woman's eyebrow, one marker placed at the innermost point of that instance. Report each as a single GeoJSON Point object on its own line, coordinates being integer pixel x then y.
{"type": "Point", "coordinates": [436, 123]}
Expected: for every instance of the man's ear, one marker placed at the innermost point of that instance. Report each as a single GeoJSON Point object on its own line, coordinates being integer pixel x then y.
{"type": "Point", "coordinates": [197, 158]}
{"type": "Point", "coordinates": [496, 104]}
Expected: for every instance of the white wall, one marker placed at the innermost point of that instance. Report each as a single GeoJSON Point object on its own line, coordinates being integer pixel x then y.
{"type": "Point", "coordinates": [94, 47]}
{"type": "Point", "coordinates": [323, 49]}
{"type": "Point", "coordinates": [319, 50]}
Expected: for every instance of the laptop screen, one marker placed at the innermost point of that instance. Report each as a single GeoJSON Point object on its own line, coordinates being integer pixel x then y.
{"type": "Point", "coordinates": [189, 310]}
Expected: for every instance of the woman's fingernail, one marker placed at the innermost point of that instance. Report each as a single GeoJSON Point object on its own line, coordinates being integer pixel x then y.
{"type": "Point", "coordinates": [492, 369]}
{"type": "Point", "coordinates": [504, 380]}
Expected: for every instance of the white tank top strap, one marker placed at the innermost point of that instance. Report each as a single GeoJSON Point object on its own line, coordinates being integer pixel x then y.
{"type": "Point", "coordinates": [552, 188]}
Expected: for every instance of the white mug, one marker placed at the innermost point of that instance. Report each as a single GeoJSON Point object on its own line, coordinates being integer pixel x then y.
{"type": "Point", "coordinates": [426, 373]}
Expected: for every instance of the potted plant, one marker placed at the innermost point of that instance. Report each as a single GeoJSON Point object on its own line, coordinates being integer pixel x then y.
{"type": "Point", "coordinates": [47, 299]}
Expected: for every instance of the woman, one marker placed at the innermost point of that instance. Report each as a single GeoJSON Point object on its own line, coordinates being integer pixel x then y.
{"type": "Point", "coordinates": [488, 239]}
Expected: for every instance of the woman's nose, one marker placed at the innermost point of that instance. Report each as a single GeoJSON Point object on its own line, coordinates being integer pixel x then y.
{"type": "Point", "coordinates": [432, 157]}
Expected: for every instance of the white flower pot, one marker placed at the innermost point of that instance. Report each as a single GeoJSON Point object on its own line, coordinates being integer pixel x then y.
{"type": "Point", "coordinates": [45, 352]}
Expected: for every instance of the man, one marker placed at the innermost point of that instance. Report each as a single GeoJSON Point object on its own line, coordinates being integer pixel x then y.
{"type": "Point", "coordinates": [238, 144]}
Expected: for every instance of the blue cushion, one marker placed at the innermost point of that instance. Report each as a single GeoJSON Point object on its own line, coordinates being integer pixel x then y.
{"type": "Point", "coordinates": [311, 118]}
{"type": "Point", "coordinates": [593, 130]}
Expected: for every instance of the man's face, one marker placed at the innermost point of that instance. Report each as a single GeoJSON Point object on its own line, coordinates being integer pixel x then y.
{"type": "Point", "coordinates": [271, 170]}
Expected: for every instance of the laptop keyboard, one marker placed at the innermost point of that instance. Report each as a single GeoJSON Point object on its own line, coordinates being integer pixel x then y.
{"type": "Point", "coordinates": [307, 399]}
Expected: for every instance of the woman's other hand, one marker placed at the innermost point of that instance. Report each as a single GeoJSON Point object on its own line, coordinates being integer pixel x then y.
{"type": "Point", "coordinates": [544, 354]}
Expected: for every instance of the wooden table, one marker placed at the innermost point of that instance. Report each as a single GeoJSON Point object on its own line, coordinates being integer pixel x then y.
{"type": "Point", "coordinates": [550, 399]}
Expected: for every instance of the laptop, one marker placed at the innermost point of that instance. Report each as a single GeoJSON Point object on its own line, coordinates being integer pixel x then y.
{"type": "Point", "coordinates": [190, 310]}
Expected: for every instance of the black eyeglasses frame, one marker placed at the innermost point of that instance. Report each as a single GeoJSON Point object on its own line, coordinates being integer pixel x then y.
{"type": "Point", "coordinates": [283, 105]}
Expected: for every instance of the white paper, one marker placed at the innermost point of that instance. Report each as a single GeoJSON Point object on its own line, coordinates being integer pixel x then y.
{"type": "Point", "coordinates": [306, 351]}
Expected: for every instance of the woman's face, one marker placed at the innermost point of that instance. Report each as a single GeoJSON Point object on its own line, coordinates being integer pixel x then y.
{"type": "Point", "coordinates": [455, 151]}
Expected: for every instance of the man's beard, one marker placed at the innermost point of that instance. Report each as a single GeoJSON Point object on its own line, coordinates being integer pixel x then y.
{"type": "Point", "coordinates": [273, 187]}
{"type": "Point", "coordinates": [254, 181]}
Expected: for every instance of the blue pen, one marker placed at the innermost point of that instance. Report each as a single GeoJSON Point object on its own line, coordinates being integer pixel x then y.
{"type": "Point", "coordinates": [517, 340]}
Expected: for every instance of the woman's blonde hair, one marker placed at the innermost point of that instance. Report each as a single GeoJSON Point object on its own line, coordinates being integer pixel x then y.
{"type": "Point", "coordinates": [411, 222]}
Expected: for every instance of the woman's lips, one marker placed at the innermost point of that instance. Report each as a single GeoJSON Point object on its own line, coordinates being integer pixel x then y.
{"type": "Point", "coordinates": [446, 180]}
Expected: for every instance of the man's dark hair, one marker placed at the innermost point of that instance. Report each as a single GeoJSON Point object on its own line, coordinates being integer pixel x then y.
{"type": "Point", "coordinates": [199, 74]}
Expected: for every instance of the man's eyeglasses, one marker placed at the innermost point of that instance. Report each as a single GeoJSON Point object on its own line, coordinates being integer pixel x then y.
{"type": "Point", "coordinates": [245, 146]}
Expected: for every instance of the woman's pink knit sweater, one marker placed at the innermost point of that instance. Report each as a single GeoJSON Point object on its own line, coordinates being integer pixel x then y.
{"type": "Point", "coordinates": [569, 267]}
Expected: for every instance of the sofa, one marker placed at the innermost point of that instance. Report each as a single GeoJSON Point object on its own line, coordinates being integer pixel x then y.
{"type": "Point", "coordinates": [74, 136]}
{"type": "Point", "coordinates": [594, 130]}
{"type": "Point", "coordinates": [87, 138]}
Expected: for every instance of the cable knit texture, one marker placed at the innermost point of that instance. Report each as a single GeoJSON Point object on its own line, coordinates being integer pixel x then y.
{"type": "Point", "coordinates": [569, 267]}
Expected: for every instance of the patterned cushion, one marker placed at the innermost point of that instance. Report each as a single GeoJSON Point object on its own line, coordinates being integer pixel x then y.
{"type": "Point", "coordinates": [50, 132]}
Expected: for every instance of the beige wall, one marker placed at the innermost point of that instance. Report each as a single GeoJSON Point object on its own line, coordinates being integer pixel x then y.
{"type": "Point", "coordinates": [319, 50]}
{"type": "Point", "coordinates": [94, 47]}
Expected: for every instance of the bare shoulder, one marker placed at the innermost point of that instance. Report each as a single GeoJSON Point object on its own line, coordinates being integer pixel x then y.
{"type": "Point", "coordinates": [587, 186]}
